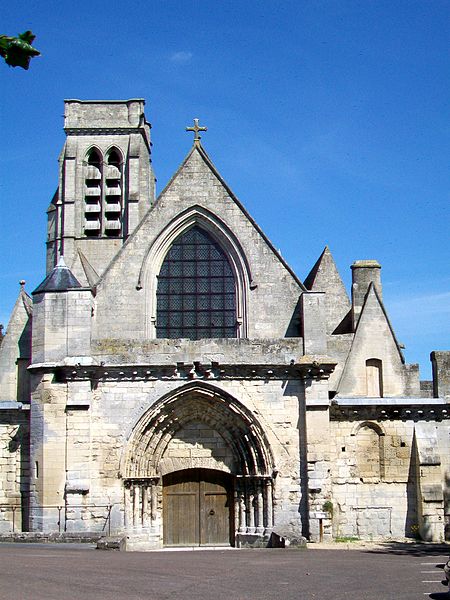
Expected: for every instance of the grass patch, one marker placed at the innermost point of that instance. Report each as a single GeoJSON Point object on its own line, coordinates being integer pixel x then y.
{"type": "Point", "coordinates": [346, 539]}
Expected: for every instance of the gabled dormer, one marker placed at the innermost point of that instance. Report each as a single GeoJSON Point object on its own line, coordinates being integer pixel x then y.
{"type": "Point", "coordinates": [375, 366]}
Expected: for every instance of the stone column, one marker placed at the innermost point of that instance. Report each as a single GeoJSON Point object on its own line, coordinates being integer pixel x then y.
{"type": "Point", "coordinates": [144, 494]}
{"type": "Point", "coordinates": [268, 507]}
{"type": "Point", "coordinates": [128, 514]}
{"type": "Point", "coordinates": [251, 510]}
{"type": "Point", "coordinates": [242, 512]}
{"type": "Point", "coordinates": [236, 512]}
{"type": "Point", "coordinates": [136, 504]}
{"type": "Point", "coordinates": [259, 507]}
{"type": "Point", "coordinates": [153, 499]}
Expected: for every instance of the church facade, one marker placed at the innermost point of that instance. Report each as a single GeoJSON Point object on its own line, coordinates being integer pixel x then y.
{"type": "Point", "coordinates": [172, 379]}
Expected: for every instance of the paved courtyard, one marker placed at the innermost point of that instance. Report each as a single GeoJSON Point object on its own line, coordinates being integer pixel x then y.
{"type": "Point", "coordinates": [57, 572]}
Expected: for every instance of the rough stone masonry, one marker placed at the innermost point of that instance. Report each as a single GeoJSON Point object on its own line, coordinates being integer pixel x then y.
{"type": "Point", "coordinates": [172, 380]}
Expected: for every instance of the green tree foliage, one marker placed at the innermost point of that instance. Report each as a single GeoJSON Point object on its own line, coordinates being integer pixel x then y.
{"type": "Point", "coordinates": [18, 51]}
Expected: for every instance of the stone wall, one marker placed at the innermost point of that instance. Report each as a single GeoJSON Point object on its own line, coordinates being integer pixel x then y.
{"type": "Point", "coordinates": [14, 468]}
{"type": "Point", "coordinates": [95, 424]}
{"type": "Point", "coordinates": [388, 480]}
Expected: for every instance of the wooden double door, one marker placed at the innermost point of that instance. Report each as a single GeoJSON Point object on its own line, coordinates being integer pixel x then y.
{"type": "Point", "coordinates": [198, 508]}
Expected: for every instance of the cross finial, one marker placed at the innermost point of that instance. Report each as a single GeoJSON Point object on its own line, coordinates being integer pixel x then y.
{"type": "Point", "coordinates": [196, 129]}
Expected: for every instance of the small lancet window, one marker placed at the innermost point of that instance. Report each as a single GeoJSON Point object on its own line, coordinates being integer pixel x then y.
{"type": "Point", "coordinates": [114, 159]}
{"type": "Point", "coordinates": [94, 159]}
{"type": "Point", "coordinates": [196, 293]}
{"type": "Point", "coordinates": [374, 378]}
{"type": "Point", "coordinates": [113, 203]}
{"type": "Point", "coordinates": [93, 195]}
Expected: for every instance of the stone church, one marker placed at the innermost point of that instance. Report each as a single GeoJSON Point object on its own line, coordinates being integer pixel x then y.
{"type": "Point", "coordinates": [172, 380]}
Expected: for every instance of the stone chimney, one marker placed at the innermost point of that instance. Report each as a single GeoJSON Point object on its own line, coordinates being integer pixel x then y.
{"type": "Point", "coordinates": [440, 362]}
{"type": "Point", "coordinates": [364, 272]}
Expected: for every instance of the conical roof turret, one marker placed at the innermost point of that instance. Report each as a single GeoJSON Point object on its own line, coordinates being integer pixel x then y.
{"type": "Point", "coordinates": [60, 279]}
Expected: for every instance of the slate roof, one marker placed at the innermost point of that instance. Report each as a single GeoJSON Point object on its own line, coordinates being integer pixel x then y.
{"type": "Point", "coordinates": [59, 279]}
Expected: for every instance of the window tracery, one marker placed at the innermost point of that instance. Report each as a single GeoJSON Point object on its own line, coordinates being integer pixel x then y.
{"type": "Point", "coordinates": [196, 290]}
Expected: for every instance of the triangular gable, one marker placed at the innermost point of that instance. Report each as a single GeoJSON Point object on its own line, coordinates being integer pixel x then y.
{"type": "Point", "coordinates": [374, 339]}
{"type": "Point", "coordinates": [198, 194]}
{"type": "Point", "coordinates": [325, 277]}
{"type": "Point", "coordinates": [197, 149]}
{"type": "Point", "coordinates": [16, 344]}
{"type": "Point", "coordinates": [248, 216]}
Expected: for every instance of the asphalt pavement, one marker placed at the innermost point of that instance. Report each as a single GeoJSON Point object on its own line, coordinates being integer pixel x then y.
{"type": "Point", "coordinates": [75, 572]}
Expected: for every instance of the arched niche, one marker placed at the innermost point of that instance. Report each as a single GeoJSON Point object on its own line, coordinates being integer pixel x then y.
{"type": "Point", "coordinates": [369, 451]}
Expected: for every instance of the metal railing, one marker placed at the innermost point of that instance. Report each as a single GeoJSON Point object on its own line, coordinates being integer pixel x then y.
{"type": "Point", "coordinates": [21, 517]}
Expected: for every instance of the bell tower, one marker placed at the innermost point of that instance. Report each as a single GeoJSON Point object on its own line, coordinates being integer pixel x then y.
{"type": "Point", "coordinates": [106, 184]}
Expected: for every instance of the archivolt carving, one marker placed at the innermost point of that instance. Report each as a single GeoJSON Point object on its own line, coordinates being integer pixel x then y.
{"type": "Point", "coordinates": [202, 402]}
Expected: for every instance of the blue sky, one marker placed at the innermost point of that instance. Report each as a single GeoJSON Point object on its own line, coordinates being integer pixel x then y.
{"type": "Point", "coordinates": [329, 120]}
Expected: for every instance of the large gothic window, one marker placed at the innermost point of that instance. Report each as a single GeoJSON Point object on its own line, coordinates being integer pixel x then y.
{"type": "Point", "coordinates": [196, 294]}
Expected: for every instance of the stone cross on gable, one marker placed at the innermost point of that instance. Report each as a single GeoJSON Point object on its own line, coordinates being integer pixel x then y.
{"type": "Point", "coordinates": [196, 129]}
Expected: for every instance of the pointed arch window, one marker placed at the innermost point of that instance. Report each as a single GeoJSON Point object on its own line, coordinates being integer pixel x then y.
{"type": "Point", "coordinates": [103, 194]}
{"type": "Point", "coordinates": [93, 195]}
{"type": "Point", "coordinates": [113, 195]}
{"type": "Point", "coordinates": [196, 291]}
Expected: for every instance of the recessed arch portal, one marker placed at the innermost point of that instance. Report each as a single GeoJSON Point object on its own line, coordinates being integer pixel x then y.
{"type": "Point", "coordinates": [250, 454]}
{"type": "Point", "coordinates": [236, 455]}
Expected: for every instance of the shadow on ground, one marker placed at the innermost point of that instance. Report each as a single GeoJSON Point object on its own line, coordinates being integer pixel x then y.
{"type": "Point", "coordinates": [411, 549]}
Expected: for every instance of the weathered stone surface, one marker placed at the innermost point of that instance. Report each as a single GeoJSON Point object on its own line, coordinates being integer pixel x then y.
{"type": "Point", "coordinates": [314, 423]}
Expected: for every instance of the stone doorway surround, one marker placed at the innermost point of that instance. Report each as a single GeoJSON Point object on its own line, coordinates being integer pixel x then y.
{"type": "Point", "coordinates": [199, 427]}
